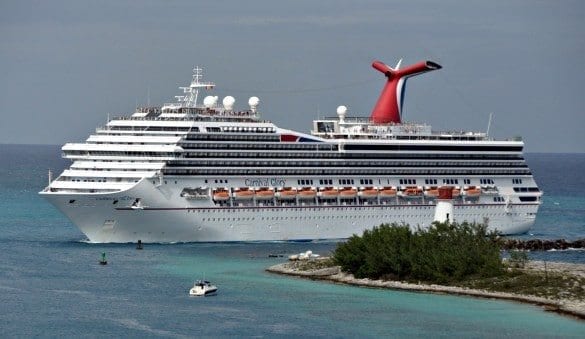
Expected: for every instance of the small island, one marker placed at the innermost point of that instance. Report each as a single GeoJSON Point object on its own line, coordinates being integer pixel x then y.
{"type": "Point", "coordinates": [452, 258]}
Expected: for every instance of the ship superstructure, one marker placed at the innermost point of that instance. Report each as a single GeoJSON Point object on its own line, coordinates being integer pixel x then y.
{"type": "Point", "coordinates": [185, 172]}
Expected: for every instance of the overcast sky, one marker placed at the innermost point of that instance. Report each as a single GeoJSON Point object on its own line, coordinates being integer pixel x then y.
{"type": "Point", "coordinates": [64, 65]}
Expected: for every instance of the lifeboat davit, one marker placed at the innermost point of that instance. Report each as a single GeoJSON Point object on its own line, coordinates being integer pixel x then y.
{"type": "Point", "coordinates": [221, 194]}
{"type": "Point", "coordinates": [387, 192]}
{"type": "Point", "coordinates": [307, 193]}
{"type": "Point", "coordinates": [369, 192]}
{"type": "Point", "coordinates": [411, 192]}
{"type": "Point", "coordinates": [456, 192]}
{"type": "Point", "coordinates": [348, 193]}
{"type": "Point", "coordinates": [432, 192]}
{"type": "Point", "coordinates": [264, 193]}
{"type": "Point", "coordinates": [244, 193]}
{"type": "Point", "coordinates": [472, 192]}
{"type": "Point", "coordinates": [328, 192]}
{"type": "Point", "coordinates": [286, 193]}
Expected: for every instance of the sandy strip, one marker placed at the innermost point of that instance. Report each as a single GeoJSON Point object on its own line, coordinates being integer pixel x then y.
{"type": "Point", "coordinates": [333, 274]}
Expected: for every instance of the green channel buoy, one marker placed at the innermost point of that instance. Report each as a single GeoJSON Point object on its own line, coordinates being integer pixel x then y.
{"type": "Point", "coordinates": [103, 260]}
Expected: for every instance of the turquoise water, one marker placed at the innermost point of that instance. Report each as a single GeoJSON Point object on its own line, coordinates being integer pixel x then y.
{"type": "Point", "coordinates": [51, 284]}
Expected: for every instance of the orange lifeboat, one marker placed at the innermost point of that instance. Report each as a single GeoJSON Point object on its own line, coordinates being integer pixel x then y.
{"type": "Point", "coordinates": [264, 193]}
{"type": "Point", "coordinates": [456, 192]}
{"type": "Point", "coordinates": [347, 193]}
{"type": "Point", "coordinates": [472, 192]}
{"type": "Point", "coordinates": [307, 193]}
{"type": "Point", "coordinates": [328, 192]}
{"type": "Point", "coordinates": [432, 192]}
{"type": "Point", "coordinates": [243, 193]}
{"type": "Point", "coordinates": [286, 193]}
{"type": "Point", "coordinates": [369, 192]}
{"type": "Point", "coordinates": [221, 194]}
{"type": "Point", "coordinates": [411, 192]}
{"type": "Point", "coordinates": [388, 192]}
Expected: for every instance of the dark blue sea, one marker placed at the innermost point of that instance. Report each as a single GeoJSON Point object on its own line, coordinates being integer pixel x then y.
{"type": "Point", "coordinates": [52, 286]}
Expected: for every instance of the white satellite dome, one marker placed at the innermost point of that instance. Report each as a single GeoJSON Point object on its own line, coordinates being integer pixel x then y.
{"type": "Point", "coordinates": [209, 101]}
{"type": "Point", "coordinates": [228, 102]}
{"type": "Point", "coordinates": [341, 112]}
{"type": "Point", "coordinates": [253, 102]}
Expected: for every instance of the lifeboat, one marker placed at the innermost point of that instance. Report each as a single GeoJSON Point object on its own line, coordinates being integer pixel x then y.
{"type": "Point", "coordinates": [432, 192]}
{"type": "Point", "coordinates": [456, 192]}
{"type": "Point", "coordinates": [221, 194]}
{"type": "Point", "coordinates": [411, 192]}
{"type": "Point", "coordinates": [243, 193]}
{"type": "Point", "coordinates": [387, 192]}
{"type": "Point", "coordinates": [369, 192]}
{"type": "Point", "coordinates": [286, 193]}
{"type": "Point", "coordinates": [264, 193]}
{"type": "Point", "coordinates": [307, 193]}
{"type": "Point", "coordinates": [347, 193]}
{"type": "Point", "coordinates": [328, 192]}
{"type": "Point", "coordinates": [471, 192]}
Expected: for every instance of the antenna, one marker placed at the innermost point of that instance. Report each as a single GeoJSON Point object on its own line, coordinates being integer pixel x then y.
{"type": "Point", "coordinates": [487, 132]}
{"type": "Point", "coordinates": [50, 177]}
{"type": "Point", "coordinates": [148, 96]}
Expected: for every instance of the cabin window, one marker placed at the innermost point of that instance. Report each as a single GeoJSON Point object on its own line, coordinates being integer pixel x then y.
{"type": "Point", "coordinates": [451, 181]}
{"type": "Point", "coordinates": [407, 181]}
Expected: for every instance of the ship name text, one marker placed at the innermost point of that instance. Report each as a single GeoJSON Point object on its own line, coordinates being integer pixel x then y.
{"type": "Point", "coordinates": [265, 182]}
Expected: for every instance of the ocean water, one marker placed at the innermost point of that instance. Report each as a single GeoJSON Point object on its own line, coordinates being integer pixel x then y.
{"type": "Point", "coordinates": [52, 286]}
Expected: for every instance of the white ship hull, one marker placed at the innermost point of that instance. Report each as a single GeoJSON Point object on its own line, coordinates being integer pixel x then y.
{"type": "Point", "coordinates": [165, 217]}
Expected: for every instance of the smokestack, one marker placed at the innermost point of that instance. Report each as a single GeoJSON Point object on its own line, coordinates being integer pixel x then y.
{"type": "Point", "coordinates": [388, 109]}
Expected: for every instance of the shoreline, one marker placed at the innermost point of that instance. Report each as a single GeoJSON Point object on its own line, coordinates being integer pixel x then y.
{"type": "Point", "coordinates": [575, 308]}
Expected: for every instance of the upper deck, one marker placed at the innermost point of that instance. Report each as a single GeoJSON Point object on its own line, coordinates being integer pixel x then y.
{"type": "Point", "coordinates": [365, 128]}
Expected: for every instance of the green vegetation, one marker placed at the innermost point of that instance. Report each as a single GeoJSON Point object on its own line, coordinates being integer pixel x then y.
{"type": "Point", "coordinates": [463, 255]}
{"type": "Point", "coordinates": [444, 253]}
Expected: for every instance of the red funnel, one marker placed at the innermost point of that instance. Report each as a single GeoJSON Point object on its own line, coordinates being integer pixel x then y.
{"type": "Point", "coordinates": [389, 106]}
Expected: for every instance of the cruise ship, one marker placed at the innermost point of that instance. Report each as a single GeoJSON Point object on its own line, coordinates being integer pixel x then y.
{"type": "Point", "coordinates": [208, 172]}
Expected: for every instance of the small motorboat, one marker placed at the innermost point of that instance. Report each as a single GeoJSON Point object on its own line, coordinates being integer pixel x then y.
{"type": "Point", "coordinates": [202, 288]}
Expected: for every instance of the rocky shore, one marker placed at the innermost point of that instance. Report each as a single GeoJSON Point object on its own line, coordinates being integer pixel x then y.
{"type": "Point", "coordinates": [333, 274]}
{"type": "Point", "coordinates": [542, 245]}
